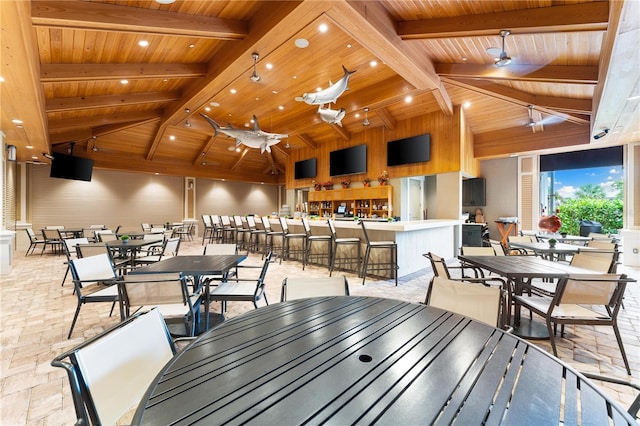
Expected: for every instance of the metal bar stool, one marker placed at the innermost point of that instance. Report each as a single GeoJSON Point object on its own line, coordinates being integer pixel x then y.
{"type": "Point", "coordinates": [228, 231]}
{"type": "Point", "coordinates": [381, 265]}
{"type": "Point", "coordinates": [254, 235]}
{"type": "Point", "coordinates": [216, 234]}
{"type": "Point", "coordinates": [242, 234]}
{"type": "Point", "coordinates": [269, 246]}
{"type": "Point", "coordinates": [297, 249]}
{"type": "Point", "coordinates": [348, 244]}
{"type": "Point", "coordinates": [318, 254]}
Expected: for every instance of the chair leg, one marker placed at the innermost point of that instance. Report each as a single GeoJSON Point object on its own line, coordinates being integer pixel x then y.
{"type": "Point", "coordinates": [65, 275]}
{"type": "Point", "coordinates": [624, 354]}
{"type": "Point", "coordinates": [73, 323]}
{"type": "Point", "coordinates": [365, 265]}
{"type": "Point", "coordinates": [552, 337]}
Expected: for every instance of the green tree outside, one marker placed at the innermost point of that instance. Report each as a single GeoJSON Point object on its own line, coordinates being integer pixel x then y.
{"type": "Point", "coordinates": [591, 204]}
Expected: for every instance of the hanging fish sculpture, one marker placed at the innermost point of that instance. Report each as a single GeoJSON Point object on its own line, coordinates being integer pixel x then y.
{"type": "Point", "coordinates": [332, 116]}
{"type": "Point", "coordinates": [255, 138]}
{"type": "Point", "coordinates": [330, 94]}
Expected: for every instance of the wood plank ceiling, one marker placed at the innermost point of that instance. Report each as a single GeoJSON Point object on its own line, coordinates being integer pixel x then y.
{"type": "Point", "coordinates": [65, 62]}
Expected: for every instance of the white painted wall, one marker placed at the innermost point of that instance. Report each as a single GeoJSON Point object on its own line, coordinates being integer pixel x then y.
{"type": "Point", "coordinates": [502, 191]}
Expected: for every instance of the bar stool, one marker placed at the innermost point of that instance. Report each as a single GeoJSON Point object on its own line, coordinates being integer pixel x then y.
{"type": "Point", "coordinates": [319, 254]}
{"type": "Point", "coordinates": [391, 265]}
{"type": "Point", "coordinates": [228, 230]}
{"type": "Point", "coordinates": [242, 234]}
{"type": "Point", "coordinates": [254, 235]}
{"type": "Point", "coordinates": [348, 244]}
{"type": "Point", "coordinates": [268, 246]}
{"type": "Point", "coordinates": [287, 237]}
{"type": "Point", "coordinates": [216, 234]}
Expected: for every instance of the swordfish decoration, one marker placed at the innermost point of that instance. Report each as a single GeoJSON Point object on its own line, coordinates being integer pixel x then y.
{"type": "Point", "coordinates": [330, 94]}
{"type": "Point", "coordinates": [255, 138]}
{"type": "Point", "coordinates": [332, 116]}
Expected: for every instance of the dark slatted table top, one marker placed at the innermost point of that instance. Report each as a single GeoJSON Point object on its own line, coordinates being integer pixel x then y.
{"type": "Point", "coordinates": [194, 265]}
{"type": "Point", "coordinates": [347, 360]}
{"type": "Point", "coordinates": [524, 266]}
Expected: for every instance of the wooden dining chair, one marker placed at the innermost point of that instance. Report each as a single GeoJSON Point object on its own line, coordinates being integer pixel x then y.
{"type": "Point", "coordinates": [574, 301]}
{"type": "Point", "coordinates": [110, 372]}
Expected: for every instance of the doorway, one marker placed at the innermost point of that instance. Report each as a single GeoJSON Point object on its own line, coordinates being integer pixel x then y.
{"type": "Point", "coordinates": [416, 199]}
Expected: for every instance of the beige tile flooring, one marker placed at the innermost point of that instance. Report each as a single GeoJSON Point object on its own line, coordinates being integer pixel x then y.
{"type": "Point", "coordinates": [36, 312]}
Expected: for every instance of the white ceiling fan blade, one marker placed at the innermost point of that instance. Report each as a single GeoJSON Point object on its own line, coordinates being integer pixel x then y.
{"type": "Point", "coordinates": [494, 51]}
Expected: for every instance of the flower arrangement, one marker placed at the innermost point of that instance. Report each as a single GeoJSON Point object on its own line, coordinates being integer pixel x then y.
{"type": "Point", "coordinates": [316, 185]}
{"type": "Point", "coordinates": [328, 185]}
{"type": "Point", "coordinates": [383, 178]}
{"type": "Point", "coordinates": [366, 181]}
{"type": "Point", "coordinates": [345, 182]}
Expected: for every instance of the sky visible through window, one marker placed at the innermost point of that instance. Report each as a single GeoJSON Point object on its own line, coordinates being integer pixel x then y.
{"type": "Point", "coordinates": [567, 182]}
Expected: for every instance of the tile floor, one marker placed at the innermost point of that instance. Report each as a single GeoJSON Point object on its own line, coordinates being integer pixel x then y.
{"type": "Point", "coordinates": [36, 313]}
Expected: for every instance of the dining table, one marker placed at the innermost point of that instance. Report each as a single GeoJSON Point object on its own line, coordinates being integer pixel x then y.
{"type": "Point", "coordinates": [569, 239]}
{"type": "Point", "coordinates": [363, 360]}
{"type": "Point", "coordinates": [520, 270]}
{"type": "Point", "coordinates": [558, 251]}
{"type": "Point", "coordinates": [129, 248]}
{"type": "Point", "coordinates": [197, 266]}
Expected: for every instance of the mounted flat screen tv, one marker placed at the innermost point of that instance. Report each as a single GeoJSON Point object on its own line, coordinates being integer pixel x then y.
{"type": "Point", "coordinates": [70, 167]}
{"type": "Point", "coordinates": [305, 169]}
{"type": "Point", "coordinates": [416, 149]}
{"type": "Point", "coordinates": [348, 161]}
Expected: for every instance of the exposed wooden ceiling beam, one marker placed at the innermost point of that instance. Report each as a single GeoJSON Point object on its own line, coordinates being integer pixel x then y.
{"type": "Point", "coordinates": [567, 18]}
{"type": "Point", "coordinates": [519, 140]}
{"type": "Point", "coordinates": [54, 73]}
{"type": "Point", "coordinates": [574, 74]}
{"type": "Point", "coordinates": [387, 119]}
{"type": "Point", "coordinates": [341, 131]}
{"type": "Point", "coordinates": [108, 101]}
{"type": "Point", "coordinates": [278, 148]}
{"type": "Point", "coordinates": [80, 123]}
{"type": "Point", "coordinates": [105, 130]}
{"type": "Point", "coordinates": [109, 17]}
{"type": "Point", "coordinates": [203, 152]}
{"type": "Point", "coordinates": [307, 140]}
{"type": "Point", "coordinates": [560, 107]}
{"type": "Point", "coordinates": [372, 26]}
{"type": "Point", "coordinates": [241, 159]}
{"type": "Point", "coordinates": [75, 135]}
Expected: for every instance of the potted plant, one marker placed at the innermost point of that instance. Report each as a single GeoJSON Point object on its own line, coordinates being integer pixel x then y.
{"type": "Point", "coordinates": [366, 181]}
{"type": "Point", "coordinates": [328, 185]}
{"type": "Point", "coordinates": [316, 185]}
{"type": "Point", "coordinates": [552, 242]}
{"type": "Point", "coordinates": [124, 238]}
{"type": "Point", "coordinates": [383, 178]}
{"type": "Point", "coordinates": [345, 183]}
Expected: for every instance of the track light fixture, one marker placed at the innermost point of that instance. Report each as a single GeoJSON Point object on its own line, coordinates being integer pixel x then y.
{"type": "Point", "coordinates": [187, 123]}
{"type": "Point", "coordinates": [94, 148]}
{"type": "Point", "coordinates": [255, 77]}
{"type": "Point", "coordinates": [366, 117]}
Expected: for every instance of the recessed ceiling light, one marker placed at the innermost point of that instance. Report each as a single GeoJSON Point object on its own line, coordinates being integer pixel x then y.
{"type": "Point", "coordinates": [357, 115]}
{"type": "Point", "coordinates": [29, 147]}
{"type": "Point", "coordinates": [280, 107]}
{"type": "Point", "coordinates": [207, 109]}
{"type": "Point", "coordinates": [34, 157]}
{"type": "Point", "coordinates": [349, 46]}
{"type": "Point", "coordinates": [373, 63]}
{"type": "Point", "coordinates": [302, 43]}
{"type": "Point", "coordinates": [191, 46]}
{"type": "Point", "coordinates": [269, 65]}
{"type": "Point", "coordinates": [233, 91]}
{"type": "Point", "coordinates": [1, 79]}
{"type": "Point", "coordinates": [173, 138]}
{"type": "Point", "coordinates": [257, 99]}
{"type": "Point", "coordinates": [165, 79]}
{"type": "Point", "coordinates": [318, 89]}
{"type": "Point", "coordinates": [238, 149]}
{"type": "Point", "coordinates": [408, 99]}
{"type": "Point", "coordinates": [124, 81]}
{"type": "Point", "coordinates": [275, 92]}
{"type": "Point", "coordinates": [143, 43]}
{"type": "Point", "coordinates": [214, 104]}
{"type": "Point", "coordinates": [467, 104]}
{"type": "Point", "coordinates": [232, 148]}
{"type": "Point", "coordinates": [294, 77]}
{"type": "Point", "coordinates": [247, 124]}
{"type": "Point", "coordinates": [16, 121]}
{"type": "Point", "coordinates": [323, 28]}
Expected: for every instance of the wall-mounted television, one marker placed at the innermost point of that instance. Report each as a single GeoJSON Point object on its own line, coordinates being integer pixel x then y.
{"type": "Point", "coordinates": [305, 169]}
{"type": "Point", "coordinates": [416, 149]}
{"type": "Point", "coordinates": [348, 161]}
{"type": "Point", "coordinates": [70, 167]}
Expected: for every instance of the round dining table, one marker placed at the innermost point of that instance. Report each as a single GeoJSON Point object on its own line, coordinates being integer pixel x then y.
{"type": "Point", "coordinates": [362, 360]}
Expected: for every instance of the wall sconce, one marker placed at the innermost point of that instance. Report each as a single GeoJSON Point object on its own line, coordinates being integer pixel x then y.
{"type": "Point", "coordinates": [11, 152]}
{"type": "Point", "coordinates": [190, 185]}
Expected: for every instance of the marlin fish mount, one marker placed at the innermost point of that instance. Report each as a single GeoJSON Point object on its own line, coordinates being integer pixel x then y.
{"type": "Point", "coordinates": [330, 94]}
{"type": "Point", "coordinates": [254, 138]}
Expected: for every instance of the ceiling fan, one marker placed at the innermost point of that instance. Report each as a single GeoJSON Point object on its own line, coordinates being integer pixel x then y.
{"type": "Point", "coordinates": [255, 77]}
{"type": "Point", "coordinates": [501, 58]}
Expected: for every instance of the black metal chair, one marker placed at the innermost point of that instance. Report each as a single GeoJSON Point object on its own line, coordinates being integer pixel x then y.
{"type": "Point", "coordinates": [346, 247]}
{"type": "Point", "coordinates": [325, 243]}
{"type": "Point", "coordinates": [390, 264]}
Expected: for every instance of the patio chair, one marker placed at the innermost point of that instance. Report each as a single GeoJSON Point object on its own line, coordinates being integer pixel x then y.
{"type": "Point", "coordinates": [51, 238]}
{"type": "Point", "coordinates": [170, 248]}
{"type": "Point", "coordinates": [71, 253]}
{"type": "Point", "coordinates": [305, 287]}
{"type": "Point", "coordinates": [486, 304]}
{"type": "Point", "coordinates": [168, 292]}
{"type": "Point", "coordinates": [241, 288]}
{"type": "Point", "coordinates": [573, 303]}
{"type": "Point", "coordinates": [93, 279]}
{"type": "Point", "coordinates": [110, 372]}
{"type": "Point", "coordinates": [34, 241]}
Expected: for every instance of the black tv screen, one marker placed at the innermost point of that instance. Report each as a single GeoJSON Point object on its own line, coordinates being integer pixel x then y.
{"type": "Point", "coordinates": [348, 161]}
{"type": "Point", "coordinates": [305, 169]}
{"type": "Point", "coordinates": [416, 149]}
{"type": "Point", "coordinates": [70, 167]}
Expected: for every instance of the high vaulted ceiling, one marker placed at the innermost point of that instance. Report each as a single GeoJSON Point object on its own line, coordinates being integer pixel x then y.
{"type": "Point", "coordinates": [63, 62]}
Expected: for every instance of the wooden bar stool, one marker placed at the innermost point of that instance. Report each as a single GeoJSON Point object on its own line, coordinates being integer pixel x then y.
{"type": "Point", "coordinates": [348, 244]}
{"type": "Point", "coordinates": [390, 265]}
